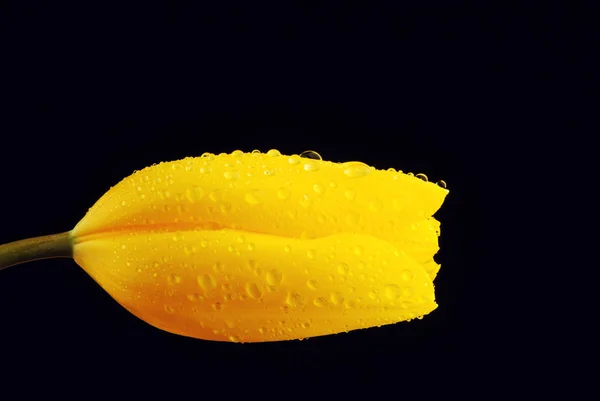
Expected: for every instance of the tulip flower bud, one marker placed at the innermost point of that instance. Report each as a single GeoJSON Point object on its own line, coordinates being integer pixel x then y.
{"type": "Point", "coordinates": [253, 247]}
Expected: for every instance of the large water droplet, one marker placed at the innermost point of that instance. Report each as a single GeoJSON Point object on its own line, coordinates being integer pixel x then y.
{"type": "Point", "coordinates": [294, 299]}
{"type": "Point", "coordinates": [350, 194]}
{"type": "Point", "coordinates": [356, 169]}
{"type": "Point", "coordinates": [207, 282]}
{"type": "Point", "coordinates": [253, 290]}
{"type": "Point", "coordinates": [441, 183]}
{"type": "Point", "coordinates": [283, 193]}
{"type": "Point", "coordinates": [294, 159]}
{"type": "Point", "coordinates": [320, 302]}
{"type": "Point", "coordinates": [253, 197]}
{"type": "Point", "coordinates": [375, 205]}
{"type": "Point", "coordinates": [422, 176]}
{"type": "Point", "coordinates": [273, 152]}
{"type": "Point", "coordinates": [311, 166]}
{"type": "Point", "coordinates": [392, 291]}
{"type": "Point", "coordinates": [231, 175]}
{"type": "Point", "coordinates": [343, 268]}
{"type": "Point", "coordinates": [313, 284]}
{"type": "Point", "coordinates": [336, 298]}
{"type": "Point", "coordinates": [274, 277]}
{"type": "Point", "coordinates": [311, 154]}
{"type": "Point", "coordinates": [237, 153]}
{"type": "Point", "coordinates": [318, 188]}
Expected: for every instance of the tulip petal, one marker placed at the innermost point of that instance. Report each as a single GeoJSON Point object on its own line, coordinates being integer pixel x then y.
{"type": "Point", "coordinates": [229, 285]}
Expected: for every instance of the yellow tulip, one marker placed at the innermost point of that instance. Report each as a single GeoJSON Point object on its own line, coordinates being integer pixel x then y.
{"type": "Point", "coordinates": [255, 247]}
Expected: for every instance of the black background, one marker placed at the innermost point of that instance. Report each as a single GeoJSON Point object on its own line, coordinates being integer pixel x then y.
{"type": "Point", "coordinates": [92, 93]}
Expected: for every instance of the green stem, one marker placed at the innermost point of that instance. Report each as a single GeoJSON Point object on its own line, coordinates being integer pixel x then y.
{"type": "Point", "coordinates": [45, 247]}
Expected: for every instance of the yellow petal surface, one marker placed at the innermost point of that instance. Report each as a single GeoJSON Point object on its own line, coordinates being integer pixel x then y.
{"type": "Point", "coordinates": [264, 247]}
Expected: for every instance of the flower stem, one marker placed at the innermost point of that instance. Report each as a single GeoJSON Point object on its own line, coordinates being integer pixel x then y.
{"type": "Point", "coordinates": [44, 247]}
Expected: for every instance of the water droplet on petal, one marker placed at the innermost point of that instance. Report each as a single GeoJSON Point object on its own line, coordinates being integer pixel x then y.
{"type": "Point", "coordinates": [313, 284]}
{"type": "Point", "coordinates": [311, 166]}
{"type": "Point", "coordinates": [237, 153]}
{"type": "Point", "coordinates": [356, 169]}
{"type": "Point", "coordinates": [343, 268]}
{"type": "Point", "coordinates": [253, 197]}
{"type": "Point", "coordinates": [407, 275]}
{"type": "Point", "coordinates": [207, 282]}
{"type": "Point", "coordinates": [441, 183]}
{"type": "Point", "coordinates": [274, 277]}
{"type": "Point", "coordinates": [283, 194]}
{"type": "Point", "coordinates": [253, 290]}
{"type": "Point", "coordinates": [311, 254]}
{"type": "Point", "coordinates": [231, 175]}
{"type": "Point", "coordinates": [273, 153]}
{"type": "Point", "coordinates": [375, 205]}
{"type": "Point", "coordinates": [392, 291]}
{"type": "Point", "coordinates": [311, 154]}
{"type": "Point", "coordinates": [320, 302]}
{"type": "Point", "coordinates": [350, 194]}
{"type": "Point", "coordinates": [294, 159]}
{"type": "Point", "coordinates": [422, 176]}
{"type": "Point", "coordinates": [336, 298]}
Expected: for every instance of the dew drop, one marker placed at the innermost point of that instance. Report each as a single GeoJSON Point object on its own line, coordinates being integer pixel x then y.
{"type": "Point", "coordinates": [422, 176]}
{"type": "Point", "coordinates": [283, 194]}
{"type": "Point", "coordinates": [294, 299]}
{"type": "Point", "coordinates": [343, 268]}
{"type": "Point", "coordinates": [215, 195]}
{"type": "Point", "coordinates": [174, 279]}
{"type": "Point", "coordinates": [392, 291]}
{"type": "Point", "coordinates": [311, 154]}
{"type": "Point", "coordinates": [336, 298]}
{"type": "Point", "coordinates": [207, 282]}
{"type": "Point", "coordinates": [274, 277]}
{"type": "Point", "coordinates": [256, 152]}
{"type": "Point", "coordinates": [358, 250]}
{"type": "Point", "coordinates": [205, 169]}
{"type": "Point", "coordinates": [406, 275]}
{"type": "Point", "coordinates": [217, 306]}
{"type": "Point", "coordinates": [253, 290]}
{"type": "Point", "coordinates": [350, 194]}
{"type": "Point", "coordinates": [356, 169]}
{"type": "Point", "coordinates": [262, 330]}
{"type": "Point", "coordinates": [375, 205]}
{"type": "Point", "coordinates": [320, 302]}
{"type": "Point", "coordinates": [252, 197]}
{"type": "Point", "coordinates": [169, 309]}
{"type": "Point", "coordinates": [442, 183]}
{"type": "Point", "coordinates": [294, 159]}
{"type": "Point", "coordinates": [318, 188]}
{"type": "Point", "coordinates": [231, 175]}
{"type": "Point", "coordinates": [240, 239]}
{"type": "Point", "coordinates": [218, 267]}
{"type": "Point", "coordinates": [311, 166]}
{"type": "Point", "coordinates": [313, 284]}
{"type": "Point", "coordinates": [273, 153]}
{"type": "Point", "coordinates": [311, 254]}
{"type": "Point", "coordinates": [305, 201]}
{"type": "Point", "coordinates": [237, 153]}
{"type": "Point", "coordinates": [288, 248]}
